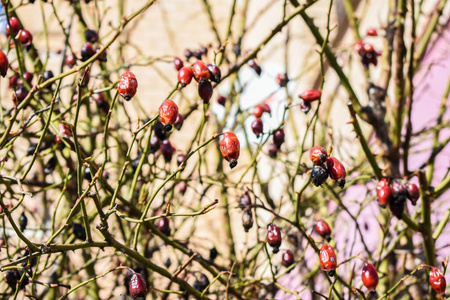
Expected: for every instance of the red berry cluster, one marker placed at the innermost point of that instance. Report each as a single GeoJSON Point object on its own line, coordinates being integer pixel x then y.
{"type": "Point", "coordinates": [15, 30]}
{"type": "Point", "coordinates": [325, 166]}
{"type": "Point", "coordinates": [367, 53]}
{"type": "Point", "coordinates": [394, 192]}
{"type": "Point", "coordinates": [308, 97]}
{"type": "Point", "coordinates": [203, 74]}
{"type": "Point", "coordinates": [257, 124]}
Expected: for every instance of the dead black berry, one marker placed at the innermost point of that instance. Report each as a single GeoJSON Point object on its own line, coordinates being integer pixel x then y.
{"type": "Point", "coordinates": [247, 220]}
{"type": "Point", "coordinates": [159, 130]}
{"type": "Point", "coordinates": [87, 174]}
{"type": "Point", "coordinates": [273, 150]}
{"type": "Point", "coordinates": [79, 231]}
{"type": "Point", "coordinates": [245, 201]}
{"type": "Point", "coordinates": [213, 253]}
{"type": "Point", "coordinates": [47, 75]}
{"type": "Point", "coordinates": [319, 174]}
{"type": "Point", "coordinates": [201, 283]}
{"type": "Point", "coordinates": [91, 35]}
{"type": "Point", "coordinates": [50, 165]}
{"type": "Point", "coordinates": [31, 149]}
{"type": "Point", "coordinates": [23, 222]}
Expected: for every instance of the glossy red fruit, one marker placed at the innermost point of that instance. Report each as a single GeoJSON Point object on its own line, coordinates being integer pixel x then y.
{"type": "Point", "coordinates": [252, 64]}
{"type": "Point", "coordinates": [278, 137]}
{"type": "Point", "coordinates": [311, 95]}
{"type": "Point", "coordinates": [127, 86]}
{"type": "Point", "coordinates": [164, 226]}
{"type": "Point", "coordinates": [221, 100]}
{"type": "Point", "coordinates": [87, 51]}
{"type": "Point", "coordinates": [168, 113]}
{"type": "Point", "coordinates": [26, 38]}
{"type": "Point", "coordinates": [247, 219]}
{"type": "Point", "coordinates": [185, 76]}
{"type": "Point", "coordinates": [15, 26]}
{"type": "Point", "coordinates": [179, 122]}
{"type": "Point", "coordinates": [257, 126]}
{"type": "Point", "coordinates": [358, 47]}
{"type": "Point", "coordinates": [369, 277]}
{"type": "Point", "coordinates": [337, 171]}
{"type": "Point", "coordinates": [205, 90]}
{"type": "Point", "coordinates": [230, 148]}
{"type": "Point", "coordinates": [214, 73]}
{"type": "Point", "coordinates": [70, 60]}
{"type": "Point", "coordinates": [282, 80]}
{"type": "Point", "coordinates": [258, 111]}
{"type": "Point", "coordinates": [412, 192]}
{"type": "Point", "coordinates": [437, 281]}
{"type": "Point", "coordinates": [323, 229]}
{"type": "Point", "coordinates": [245, 201]}
{"type": "Point", "coordinates": [178, 63]}
{"type": "Point", "coordinates": [328, 261]}
{"type": "Point", "coordinates": [200, 71]}
{"type": "Point", "coordinates": [28, 76]}
{"type": "Point", "coordinates": [274, 237]}
{"type": "Point", "coordinates": [305, 107]}
{"type": "Point", "coordinates": [382, 183]}
{"type": "Point", "coordinates": [318, 155]}
{"type": "Point", "coordinates": [287, 258]}
{"type": "Point", "coordinates": [137, 285]}
{"type": "Point", "coordinates": [167, 150]}
{"type": "Point", "coordinates": [371, 32]}
{"type": "Point", "coordinates": [4, 64]}
{"type": "Point", "coordinates": [384, 195]}
{"type": "Point", "coordinates": [367, 47]}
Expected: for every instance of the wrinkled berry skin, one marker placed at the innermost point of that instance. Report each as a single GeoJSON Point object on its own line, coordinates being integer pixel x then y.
{"type": "Point", "coordinates": [319, 174]}
{"type": "Point", "coordinates": [311, 95]}
{"type": "Point", "coordinates": [287, 258]}
{"type": "Point", "coordinates": [185, 75]}
{"type": "Point", "coordinates": [23, 222]}
{"type": "Point", "coordinates": [127, 86]}
{"type": "Point", "coordinates": [398, 191]}
{"type": "Point", "coordinates": [305, 107]}
{"type": "Point", "coordinates": [137, 286]}
{"type": "Point", "coordinates": [50, 165]}
{"type": "Point", "coordinates": [318, 155]}
{"type": "Point", "coordinates": [26, 38]}
{"type": "Point", "coordinates": [215, 73]}
{"type": "Point", "coordinates": [257, 127]}
{"type": "Point", "coordinates": [323, 229]}
{"type": "Point", "coordinates": [15, 26]}
{"type": "Point", "coordinates": [168, 113]}
{"type": "Point", "coordinates": [178, 63]}
{"type": "Point", "coordinates": [412, 192]}
{"type": "Point", "coordinates": [230, 148]}
{"type": "Point", "coordinates": [369, 277]}
{"type": "Point", "coordinates": [164, 226]}
{"type": "Point", "coordinates": [245, 201]}
{"type": "Point", "coordinates": [4, 64]}
{"type": "Point", "coordinates": [337, 171]}
{"type": "Point", "coordinates": [200, 71]}
{"type": "Point", "coordinates": [167, 150]}
{"type": "Point", "coordinates": [328, 261]}
{"type": "Point", "coordinates": [247, 220]}
{"type": "Point", "coordinates": [278, 137]}
{"type": "Point", "coordinates": [205, 90]}
{"type": "Point", "coordinates": [384, 195]}
{"type": "Point", "coordinates": [437, 281]}
{"type": "Point", "coordinates": [274, 237]}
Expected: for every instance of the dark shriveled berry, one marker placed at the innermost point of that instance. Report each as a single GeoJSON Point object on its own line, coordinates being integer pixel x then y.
{"type": "Point", "coordinates": [396, 207]}
{"type": "Point", "coordinates": [47, 75]}
{"type": "Point", "coordinates": [87, 174]}
{"type": "Point", "coordinates": [215, 74]}
{"type": "Point", "coordinates": [160, 130]}
{"type": "Point", "coordinates": [245, 201]}
{"type": "Point", "coordinates": [398, 191]}
{"type": "Point", "coordinates": [164, 226]}
{"type": "Point", "coordinates": [213, 253]}
{"type": "Point", "coordinates": [257, 127]}
{"type": "Point", "coordinates": [319, 174]}
{"type": "Point", "coordinates": [167, 150]}
{"type": "Point", "coordinates": [247, 220]}
{"type": "Point", "coordinates": [179, 122]}
{"type": "Point", "coordinates": [287, 258]}
{"type": "Point", "coordinates": [278, 137]}
{"type": "Point", "coordinates": [23, 221]}
{"type": "Point", "coordinates": [201, 283]}
{"type": "Point", "coordinates": [155, 144]}
{"type": "Point", "coordinates": [305, 107]}
{"type": "Point", "coordinates": [87, 51]}
{"type": "Point", "coordinates": [50, 165]}
{"type": "Point", "coordinates": [79, 231]}
{"type": "Point", "coordinates": [205, 90]}
{"type": "Point", "coordinates": [91, 36]}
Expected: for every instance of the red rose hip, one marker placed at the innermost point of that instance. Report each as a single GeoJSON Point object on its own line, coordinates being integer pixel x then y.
{"type": "Point", "coordinates": [370, 277]}
{"type": "Point", "coordinates": [257, 126]}
{"type": "Point", "coordinates": [318, 155]}
{"type": "Point", "coordinates": [4, 64]}
{"type": "Point", "coordinates": [205, 90]}
{"type": "Point", "coordinates": [274, 237]}
{"type": "Point", "coordinates": [178, 63]}
{"type": "Point", "coordinates": [412, 192]}
{"type": "Point", "coordinates": [328, 261]}
{"type": "Point", "coordinates": [337, 171]}
{"type": "Point", "coordinates": [127, 86]}
{"type": "Point", "coordinates": [384, 195]}
{"type": "Point", "coordinates": [323, 229]}
{"type": "Point", "coordinates": [287, 258]}
{"type": "Point", "coordinates": [230, 148]}
{"type": "Point", "coordinates": [185, 76]}
{"type": "Point", "coordinates": [137, 285]}
{"type": "Point", "coordinates": [311, 95]}
{"type": "Point", "coordinates": [168, 113]}
{"type": "Point", "coordinates": [278, 137]}
{"type": "Point", "coordinates": [15, 26]}
{"type": "Point", "coordinates": [200, 71]}
{"type": "Point", "coordinates": [26, 38]}
{"type": "Point", "coordinates": [437, 281]}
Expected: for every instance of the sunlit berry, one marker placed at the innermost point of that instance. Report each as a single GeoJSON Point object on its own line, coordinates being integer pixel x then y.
{"type": "Point", "coordinates": [412, 192]}
{"type": "Point", "coordinates": [168, 113]}
{"type": "Point", "coordinates": [178, 63]}
{"type": "Point", "coordinates": [257, 127]}
{"type": "Point", "coordinates": [26, 38]}
{"type": "Point", "coordinates": [137, 286]}
{"type": "Point", "coordinates": [4, 64]}
{"type": "Point", "coordinates": [163, 225]}
{"type": "Point", "coordinates": [384, 196]}
{"type": "Point", "coordinates": [274, 237]}
{"type": "Point", "coordinates": [336, 171]}
{"type": "Point", "coordinates": [371, 32]}
{"type": "Point", "coordinates": [185, 76]}
{"type": "Point", "coordinates": [230, 148]}
{"type": "Point", "coordinates": [278, 137]}
{"type": "Point", "coordinates": [287, 258]}
{"type": "Point", "coordinates": [87, 51]}
{"type": "Point", "coordinates": [311, 95]}
{"type": "Point", "coordinates": [15, 26]}
{"type": "Point", "coordinates": [323, 229]}
{"type": "Point", "coordinates": [437, 281]}
{"type": "Point", "coordinates": [328, 261]}
{"type": "Point", "coordinates": [200, 71]}
{"type": "Point", "coordinates": [369, 277]}
{"type": "Point", "coordinates": [127, 86]}
{"type": "Point", "coordinates": [318, 155]}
